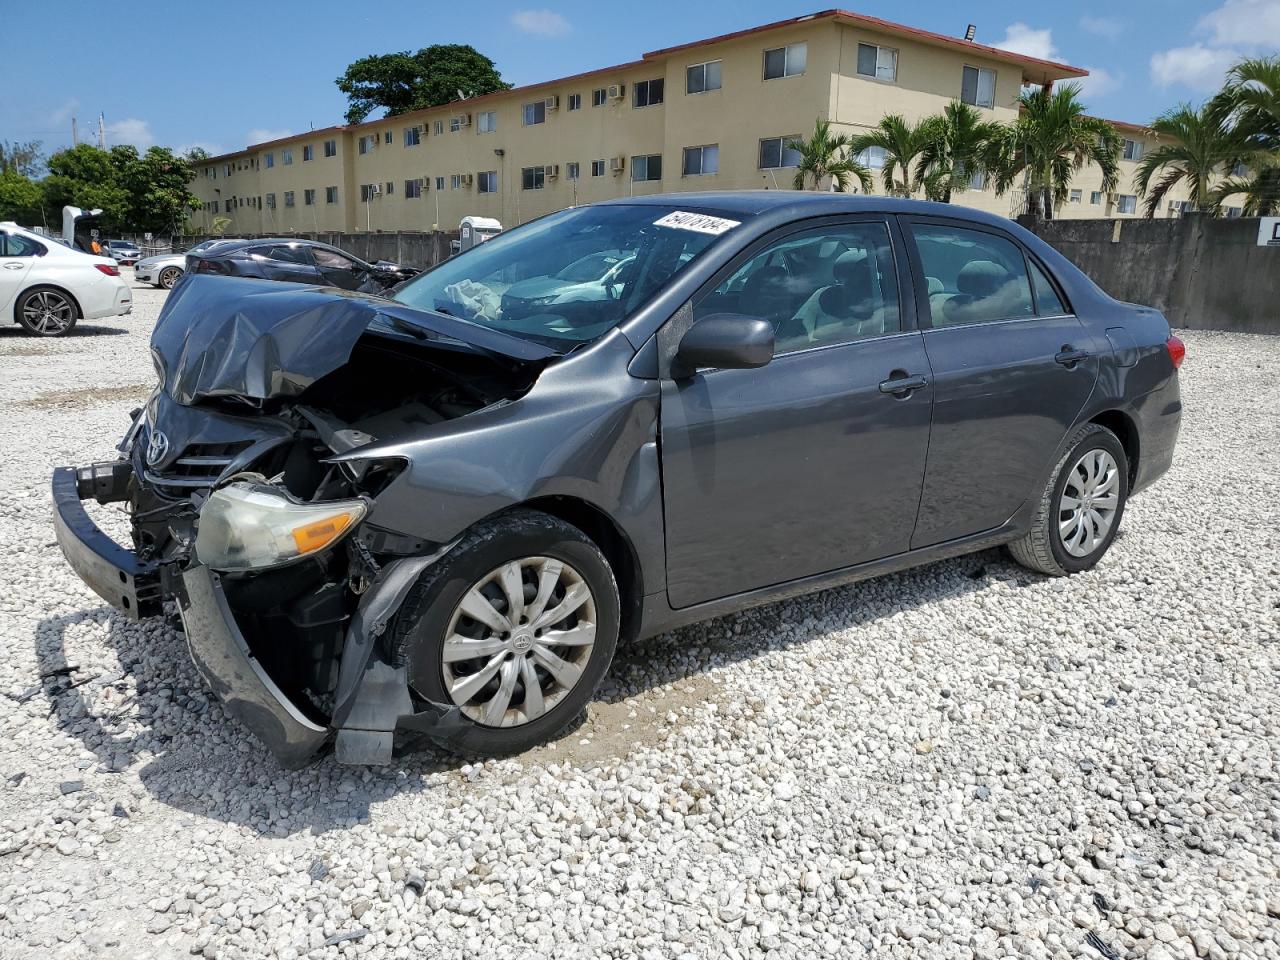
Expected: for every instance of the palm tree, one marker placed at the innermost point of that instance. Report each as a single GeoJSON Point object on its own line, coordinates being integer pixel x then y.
{"type": "Point", "coordinates": [825, 158]}
{"type": "Point", "coordinates": [1260, 192]}
{"type": "Point", "coordinates": [1253, 90]}
{"type": "Point", "coordinates": [901, 143]}
{"type": "Point", "coordinates": [955, 145]}
{"type": "Point", "coordinates": [1200, 144]}
{"type": "Point", "coordinates": [1052, 139]}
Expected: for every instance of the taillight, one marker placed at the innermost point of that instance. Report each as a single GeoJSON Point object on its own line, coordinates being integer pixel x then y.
{"type": "Point", "coordinates": [110, 269]}
{"type": "Point", "coordinates": [210, 266]}
{"type": "Point", "coordinates": [1177, 350]}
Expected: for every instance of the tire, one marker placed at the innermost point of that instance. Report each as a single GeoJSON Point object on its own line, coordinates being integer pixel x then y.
{"type": "Point", "coordinates": [47, 312]}
{"type": "Point", "coordinates": [1063, 538]}
{"type": "Point", "coordinates": [432, 618]}
{"type": "Point", "coordinates": [168, 277]}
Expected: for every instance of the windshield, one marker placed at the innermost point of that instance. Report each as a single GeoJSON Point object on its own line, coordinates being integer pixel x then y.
{"type": "Point", "coordinates": [569, 277]}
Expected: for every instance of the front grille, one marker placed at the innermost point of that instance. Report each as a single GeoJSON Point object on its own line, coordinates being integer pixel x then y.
{"type": "Point", "coordinates": [199, 465]}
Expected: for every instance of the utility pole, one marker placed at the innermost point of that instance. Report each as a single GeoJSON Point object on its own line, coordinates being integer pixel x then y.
{"type": "Point", "coordinates": [75, 140]}
{"type": "Point", "coordinates": [102, 132]}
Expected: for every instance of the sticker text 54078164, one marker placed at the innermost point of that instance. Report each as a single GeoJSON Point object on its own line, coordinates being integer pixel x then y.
{"type": "Point", "coordinates": [697, 222]}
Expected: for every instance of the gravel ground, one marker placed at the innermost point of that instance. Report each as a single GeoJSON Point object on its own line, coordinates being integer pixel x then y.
{"type": "Point", "coordinates": [964, 760]}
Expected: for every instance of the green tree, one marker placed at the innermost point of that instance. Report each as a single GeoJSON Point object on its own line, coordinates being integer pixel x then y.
{"type": "Point", "coordinates": [24, 158]}
{"type": "Point", "coordinates": [85, 176]}
{"type": "Point", "coordinates": [902, 143]}
{"type": "Point", "coordinates": [825, 159]}
{"type": "Point", "coordinates": [1253, 90]}
{"type": "Point", "coordinates": [1052, 139]}
{"type": "Point", "coordinates": [136, 193]}
{"type": "Point", "coordinates": [1199, 145]}
{"type": "Point", "coordinates": [19, 198]}
{"type": "Point", "coordinates": [432, 77]}
{"type": "Point", "coordinates": [956, 145]}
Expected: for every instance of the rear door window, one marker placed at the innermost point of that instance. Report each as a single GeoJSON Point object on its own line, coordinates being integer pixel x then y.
{"type": "Point", "coordinates": [972, 276]}
{"type": "Point", "coordinates": [12, 245]}
{"type": "Point", "coordinates": [1048, 303]}
{"type": "Point", "coordinates": [286, 254]}
{"type": "Point", "coordinates": [333, 260]}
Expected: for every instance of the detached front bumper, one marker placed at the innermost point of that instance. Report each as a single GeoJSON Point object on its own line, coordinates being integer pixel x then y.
{"type": "Point", "coordinates": [220, 651]}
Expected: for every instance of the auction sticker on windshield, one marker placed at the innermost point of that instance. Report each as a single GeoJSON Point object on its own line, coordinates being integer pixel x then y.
{"type": "Point", "coordinates": [697, 222]}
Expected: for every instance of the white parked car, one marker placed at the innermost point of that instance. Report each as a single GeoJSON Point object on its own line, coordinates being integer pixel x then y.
{"type": "Point", "coordinates": [165, 269]}
{"type": "Point", "coordinates": [47, 287]}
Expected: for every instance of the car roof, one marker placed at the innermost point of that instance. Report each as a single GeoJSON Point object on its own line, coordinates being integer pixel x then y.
{"type": "Point", "coordinates": [230, 246]}
{"type": "Point", "coordinates": [809, 203]}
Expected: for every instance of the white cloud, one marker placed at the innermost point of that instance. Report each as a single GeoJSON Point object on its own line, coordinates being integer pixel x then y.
{"type": "Point", "coordinates": [1102, 26]}
{"type": "Point", "coordinates": [1243, 23]}
{"type": "Point", "coordinates": [1098, 83]}
{"type": "Point", "coordinates": [266, 134]}
{"type": "Point", "coordinates": [131, 130]}
{"type": "Point", "coordinates": [546, 23]}
{"type": "Point", "coordinates": [63, 113]}
{"type": "Point", "coordinates": [1199, 67]}
{"type": "Point", "coordinates": [1020, 38]}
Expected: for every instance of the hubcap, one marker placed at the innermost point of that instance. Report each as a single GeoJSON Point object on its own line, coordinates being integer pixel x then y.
{"type": "Point", "coordinates": [519, 641]}
{"type": "Point", "coordinates": [48, 312]}
{"type": "Point", "coordinates": [1089, 502]}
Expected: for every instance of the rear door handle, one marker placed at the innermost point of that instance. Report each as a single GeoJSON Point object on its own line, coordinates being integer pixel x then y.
{"type": "Point", "coordinates": [900, 386]}
{"type": "Point", "coordinates": [1068, 356]}
{"type": "Point", "coordinates": [14, 266]}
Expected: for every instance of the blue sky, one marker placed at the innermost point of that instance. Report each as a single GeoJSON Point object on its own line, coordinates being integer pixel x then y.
{"type": "Point", "coordinates": [172, 75]}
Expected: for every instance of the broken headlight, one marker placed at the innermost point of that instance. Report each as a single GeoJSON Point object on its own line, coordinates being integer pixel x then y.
{"type": "Point", "coordinates": [249, 526]}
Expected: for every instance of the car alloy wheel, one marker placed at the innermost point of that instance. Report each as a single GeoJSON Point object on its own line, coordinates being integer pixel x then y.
{"type": "Point", "coordinates": [1090, 498]}
{"type": "Point", "coordinates": [169, 276]}
{"type": "Point", "coordinates": [518, 641]}
{"type": "Point", "coordinates": [48, 313]}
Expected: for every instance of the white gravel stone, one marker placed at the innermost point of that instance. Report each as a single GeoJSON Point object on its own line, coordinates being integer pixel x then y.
{"type": "Point", "coordinates": [963, 760]}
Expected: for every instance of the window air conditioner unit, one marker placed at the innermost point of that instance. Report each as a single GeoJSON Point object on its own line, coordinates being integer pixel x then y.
{"type": "Point", "coordinates": [617, 91]}
{"type": "Point", "coordinates": [552, 103]}
{"type": "Point", "coordinates": [618, 164]}
{"type": "Point", "coordinates": [466, 179]}
{"type": "Point", "coordinates": [551, 171]}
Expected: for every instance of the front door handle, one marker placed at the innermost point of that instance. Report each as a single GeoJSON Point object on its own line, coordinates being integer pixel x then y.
{"type": "Point", "coordinates": [1069, 356]}
{"type": "Point", "coordinates": [14, 266]}
{"type": "Point", "coordinates": [900, 385]}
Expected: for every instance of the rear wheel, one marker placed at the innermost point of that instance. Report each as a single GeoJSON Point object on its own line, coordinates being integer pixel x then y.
{"type": "Point", "coordinates": [1080, 510]}
{"type": "Point", "coordinates": [168, 277]}
{"type": "Point", "coordinates": [515, 627]}
{"type": "Point", "coordinates": [47, 312]}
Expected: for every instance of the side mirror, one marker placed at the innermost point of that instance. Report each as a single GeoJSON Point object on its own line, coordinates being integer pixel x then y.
{"type": "Point", "coordinates": [729, 341]}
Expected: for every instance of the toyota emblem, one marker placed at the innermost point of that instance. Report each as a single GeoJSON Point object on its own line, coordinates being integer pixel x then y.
{"type": "Point", "coordinates": [157, 447]}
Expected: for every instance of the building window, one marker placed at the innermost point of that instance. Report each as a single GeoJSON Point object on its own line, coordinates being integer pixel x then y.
{"type": "Point", "coordinates": [1095, 197]}
{"type": "Point", "coordinates": [872, 158]}
{"type": "Point", "coordinates": [535, 113]}
{"type": "Point", "coordinates": [487, 122]}
{"type": "Point", "coordinates": [599, 96]}
{"type": "Point", "coordinates": [597, 168]}
{"type": "Point", "coordinates": [271, 201]}
{"type": "Point", "coordinates": [439, 183]}
{"type": "Point", "coordinates": [774, 153]}
{"type": "Point", "coordinates": [1132, 149]}
{"type": "Point", "coordinates": [330, 194]}
{"type": "Point", "coordinates": [455, 181]}
{"type": "Point", "coordinates": [701, 160]}
{"type": "Point", "coordinates": [413, 189]}
{"type": "Point", "coordinates": [648, 167]}
{"type": "Point", "coordinates": [367, 192]}
{"type": "Point", "coordinates": [1232, 212]}
{"type": "Point", "coordinates": [271, 160]}
{"type": "Point", "coordinates": [880, 63]}
{"type": "Point", "coordinates": [701, 77]}
{"type": "Point", "coordinates": [571, 171]}
{"type": "Point", "coordinates": [978, 87]}
{"type": "Point", "coordinates": [575, 101]}
{"type": "Point", "coordinates": [388, 136]}
{"type": "Point", "coordinates": [455, 123]}
{"type": "Point", "coordinates": [438, 127]}
{"type": "Point", "coordinates": [1075, 197]}
{"type": "Point", "coordinates": [286, 157]}
{"type": "Point", "coordinates": [365, 145]}
{"type": "Point", "coordinates": [978, 180]}
{"type": "Point", "coordinates": [308, 153]}
{"type": "Point", "coordinates": [1239, 170]}
{"type": "Point", "coordinates": [288, 198]}
{"type": "Point", "coordinates": [309, 197]}
{"type": "Point", "coordinates": [412, 136]}
{"type": "Point", "coordinates": [214, 206]}
{"type": "Point", "coordinates": [228, 168]}
{"type": "Point", "coordinates": [788, 61]}
{"type": "Point", "coordinates": [1128, 203]}
{"type": "Point", "coordinates": [533, 178]}
{"type": "Point", "coordinates": [647, 93]}
{"type": "Point", "coordinates": [487, 181]}
{"type": "Point", "coordinates": [390, 188]}
{"type": "Point", "coordinates": [331, 148]}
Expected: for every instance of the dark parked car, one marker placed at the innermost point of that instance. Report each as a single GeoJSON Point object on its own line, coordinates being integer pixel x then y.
{"type": "Point", "coordinates": [297, 261]}
{"type": "Point", "coordinates": [422, 514]}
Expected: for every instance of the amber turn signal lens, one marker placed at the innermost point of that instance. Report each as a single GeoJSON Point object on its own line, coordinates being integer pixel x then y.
{"type": "Point", "coordinates": [318, 535]}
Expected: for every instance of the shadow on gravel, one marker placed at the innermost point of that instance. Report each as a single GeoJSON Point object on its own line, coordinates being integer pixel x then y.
{"type": "Point", "coordinates": [199, 760]}
{"type": "Point", "coordinates": [81, 330]}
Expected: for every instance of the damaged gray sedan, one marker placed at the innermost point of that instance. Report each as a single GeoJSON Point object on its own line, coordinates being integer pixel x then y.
{"type": "Point", "coordinates": [440, 513]}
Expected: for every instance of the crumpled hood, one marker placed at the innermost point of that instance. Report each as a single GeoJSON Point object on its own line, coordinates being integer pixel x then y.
{"type": "Point", "coordinates": [238, 337]}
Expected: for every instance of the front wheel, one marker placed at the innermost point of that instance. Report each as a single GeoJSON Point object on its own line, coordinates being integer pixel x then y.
{"type": "Point", "coordinates": [168, 277]}
{"type": "Point", "coordinates": [515, 627]}
{"type": "Point", "coordinates": [1080, 510]}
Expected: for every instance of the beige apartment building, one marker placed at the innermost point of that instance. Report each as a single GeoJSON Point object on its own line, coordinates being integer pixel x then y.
{"type": "Point", "coordinates": [710, 115]}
